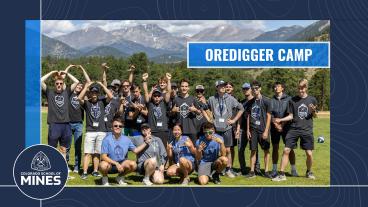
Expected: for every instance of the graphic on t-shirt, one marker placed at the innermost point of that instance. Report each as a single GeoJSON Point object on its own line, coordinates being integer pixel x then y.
{"type": "Point", "coordinates": [75, 102]}
{"type": "Point", "coordinates": [59, 100]}
{"type": "Point", "coordinates": [107, 109]}
{"type": "Point", "coordinates": [118, 152]}
{"type": "Point", "coordinates": [218, 109]}
{"type": "Point", "coordinates": [199, 116]}
{"type": "Point", "coordinates": [302, 111]}
{"type": "Point", "coordinates": [157, 111]}
{"type": "Point", "coordinates": [95, 111]}
{"type": "Point", "coordinates": [256, 112]}
{"type": "Point", "coordinates": [184, 110]}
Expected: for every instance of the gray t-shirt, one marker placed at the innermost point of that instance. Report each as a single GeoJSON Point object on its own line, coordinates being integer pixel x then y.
{"type": "Point", "coordinates": [95, 113]}
{"type": "Point", "coordinates": [155, 149]}
{"type": "Point", "coordinates": [140, 119]}
{"type": "Point", "coordinates": [222, 109]}
{"type": "Point", "coordinates": [157, 116]}
{"type": "Point", "coordinates": [58, 106]}
{"type": "Point", "coordinates": [184, 116]}
{"type": "Point", "coordinates": [76, 112]}
{"type": "Point", "coordinates": [110, 111]}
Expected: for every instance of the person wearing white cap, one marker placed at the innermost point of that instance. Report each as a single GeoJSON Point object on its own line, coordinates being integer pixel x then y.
{"type": "Point", "coordinates": [222, 105]}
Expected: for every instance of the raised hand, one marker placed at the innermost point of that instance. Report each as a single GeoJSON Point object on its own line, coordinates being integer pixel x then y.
{"type": "Point", "coordinates": [168, 76]}
{"type": "Point", "coordinates": [188, 143]}
{"type": "Point", "coordinates": [201, 146]}
{"type": "Point", "coordinates": [131, 68]}
{"type": "Point", "coordinates": [145, 76]}
{"type": "Point", "coordinates": [192, 108]}
{"type": "Point", "coordinates": [104, 66]}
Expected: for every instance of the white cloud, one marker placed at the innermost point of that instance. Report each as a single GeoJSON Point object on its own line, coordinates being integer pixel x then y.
{"type": "Point", "coordinates": [54, 28]}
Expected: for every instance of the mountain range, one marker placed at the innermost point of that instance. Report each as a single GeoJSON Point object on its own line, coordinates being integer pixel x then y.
{"type": "Point", "coordinates": [160, 45]}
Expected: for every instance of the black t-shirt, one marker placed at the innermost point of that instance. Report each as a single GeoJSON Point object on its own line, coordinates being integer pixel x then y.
{"type": "Point", "coordinates": [58, 106]}
{"type": "Point", "coordinates": [302, 116]}
{"type": "Point", "coordinates": [140, 119]}
{"type": "Point", "coordinates": [246, 104]}
{"type": "Point", "coordinates": [184, 116]}
{"type": "Point", "coordinates": [110, 111]}
{"type": "Point", "coordinates": [258, 109]}
{"type": "Point", "coordinates": [200, 119]}
{"type": "Point", "coordinates": [95, 113]}
{"type": "Point", "coordinates": [76, 112]}
{"type": "Point", "coordinates": [157, 116]}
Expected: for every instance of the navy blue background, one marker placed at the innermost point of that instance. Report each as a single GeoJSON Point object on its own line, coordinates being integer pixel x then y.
{"type": "Point", "coordinates": [349, 131]}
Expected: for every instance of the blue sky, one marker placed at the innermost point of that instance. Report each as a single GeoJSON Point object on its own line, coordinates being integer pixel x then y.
{"type": "Point", "coordinates": [55, 28]}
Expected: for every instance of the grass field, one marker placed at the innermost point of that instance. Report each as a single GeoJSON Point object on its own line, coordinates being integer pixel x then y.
{"type": "Point", "coordinates": [321, 165]}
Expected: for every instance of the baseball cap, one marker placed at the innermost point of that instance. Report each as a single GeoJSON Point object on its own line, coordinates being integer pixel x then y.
{"type": "Point", "coordinates": [246, 86]}
{"type": "Point", "coordinates": [94, 88]}
{"type": "Point", "coordinates": [220, 82]}
{"type": "Point", "coordinates": [115, 82]}
{"type": "Point", "coordinates": [157, 91]}
{"type": "Point", "coordinates": [173, 84]}
{"type": "Point", "coordinates": [145, 125]}
{"type": "Point", "coordinates": [199, 87]}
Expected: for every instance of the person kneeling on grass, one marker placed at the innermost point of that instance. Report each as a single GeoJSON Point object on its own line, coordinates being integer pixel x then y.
{"type": "Point", "coordinates": [114, 151]}
{"type": "Point", "coordinates": [211, 154]}
{"type": "Point", "coordinates": [151, 160]}
{"type": "Point", "coordinates": [181, 150]}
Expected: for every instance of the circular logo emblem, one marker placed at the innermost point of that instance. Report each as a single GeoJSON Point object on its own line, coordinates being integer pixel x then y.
{"type": "Point", "coordinates": [40, 172]}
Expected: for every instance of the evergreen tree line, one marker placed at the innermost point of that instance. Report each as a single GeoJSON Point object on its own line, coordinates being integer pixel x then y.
{"type": "Point", "coordinates": [319, 79]}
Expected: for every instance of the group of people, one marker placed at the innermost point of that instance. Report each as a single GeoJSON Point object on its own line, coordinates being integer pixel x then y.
{"type": "Point", "coordinates": [174, 133]}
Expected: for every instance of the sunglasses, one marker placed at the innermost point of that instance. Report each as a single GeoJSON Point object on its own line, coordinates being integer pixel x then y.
{"type": "Point", "coordinates": [200, 91]}
{"type": "Point", "coordinates": [59, 84]}
{"type": "Point", "coordinates": [255, 88]}
{"type": "Point", "coordinates": [156, 96]}
{"type": "Point", "coordinates": [208, 132]}
{"type": "Point", "coordinates": [118, 126]}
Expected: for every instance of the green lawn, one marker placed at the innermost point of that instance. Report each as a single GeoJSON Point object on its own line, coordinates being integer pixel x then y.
{"type": "Point", "coordinates": [321, 165]}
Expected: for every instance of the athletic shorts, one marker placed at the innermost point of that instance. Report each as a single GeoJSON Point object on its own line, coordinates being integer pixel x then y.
{"type": "Point", "coordinates": [93, 142]}
{"type": "Point", "coordinates": [163, 135]}
{"type": "Point", "coordinates": [59, 133]}
{"type": "Point", "coordinates": [205, 168]}
{"type": "Point", "coordinates": [114, 169]}
{"type": "Point", "coordinates": [306, 139]}
{"type": "Point", "coordinates": [276, 136]}
{"type": "Point", "coordinates": [256, 137]}
{"type": "Point", "coordinates": [228, 137]}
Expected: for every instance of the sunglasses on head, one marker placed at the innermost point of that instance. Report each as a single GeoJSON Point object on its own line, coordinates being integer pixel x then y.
{"type": "Point", "coordinates": [118, 126]}
{"type": "Point", "coordinates": [200, 91]}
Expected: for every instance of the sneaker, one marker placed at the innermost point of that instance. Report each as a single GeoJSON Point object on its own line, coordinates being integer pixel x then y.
{"type": "Point", "coordinates": [229, 173]}
{"type": "Point", "coordinates": [310, 175]}
{"type": "Point", "coordinates": [279, 178]}
{"type": "Point", "coordinates": [250, 175]}
{"type": "Point", "coordinates": [96, 174]}
{"type": "Point", "coordinates": [121, 180]}
{"type": "Point", "coordinates": [84, 176]}
{"type": "Point", "coordinates": [268, 174]}
{"type": "Point", "coordinates": [69, 170]}
{"type": "Point", "coordinates": [294, 173]}
{"type": "Point", "coordinates": [216, 178]}
{"type": "Point", "coordinates": [185, 181]}
{"type": "Point", "coordinates": [76, 171]}
{"type": "Point", "coordinates": [147, 182]}
{"type": "Point", "coordinates": [105, 181]}
{"type": "Point", "coordinates": [274, 173]}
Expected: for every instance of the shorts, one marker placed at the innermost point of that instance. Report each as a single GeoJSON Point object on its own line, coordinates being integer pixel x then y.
{"type": "Point", "coordinates": [276, 136]}
{"type": "Point", "coordinates": [93, 142]}
{"type": "Point", "coordinates": [140, 168]}
{"type": "Point", "coordinates": [163, 135]}
{"type": "Point", "coordinates": [59, 133]}
{"type": "Point", "coordinates": [228, 137]}
{"type": "Point", "coordinates": [256, 137]}
{"type": "Point", "coordinates": [306, 139]}
{"type": "Point", "coordinates": [114, 169]}
{"type": "Point", "coordinates": [206, 168]}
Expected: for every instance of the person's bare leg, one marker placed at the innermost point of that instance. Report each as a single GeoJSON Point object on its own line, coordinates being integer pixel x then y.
{"type": "Point", "coordinates": [150, 166]}
{"type": "Point", "coordinates": [266, 159]}
{"type": "Point", "coordinates": [158, 177]}
{"type": "Point", "coordinates": [129, 166]}
{"type": "Point", "coordinates": [104, 168]}
{"type": "Point", "coordinates": [203, 179]}
{"type": "Point", "coordinates": [285, 159]}
{"type": "Point", "coordinates": [86, 159]}
{"type": "Point", "coordinates": [185, 167]}
{"type": "Point", "coordinates": [96, 162]}
{"type": "Point", "coordinates": [309, 160]}
{"type": "Point", "coordinates": [221, 163]}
